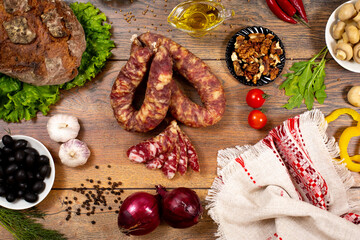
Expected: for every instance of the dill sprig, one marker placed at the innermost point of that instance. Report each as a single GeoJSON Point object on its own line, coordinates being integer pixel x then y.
{"type": "Point", "coordinates": [23, 226]}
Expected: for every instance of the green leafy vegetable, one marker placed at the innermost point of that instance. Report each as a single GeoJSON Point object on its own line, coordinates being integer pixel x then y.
{"type": "Point", "coordinates": [20, 100]}
{"type": "Point", "coordinates": [306, 82]}
{"type": "Point", "coordinates": [22, 225]}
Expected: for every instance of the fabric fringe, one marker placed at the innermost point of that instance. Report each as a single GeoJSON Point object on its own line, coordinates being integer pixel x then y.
{"type": "Point", "coordinates": [333, 148]}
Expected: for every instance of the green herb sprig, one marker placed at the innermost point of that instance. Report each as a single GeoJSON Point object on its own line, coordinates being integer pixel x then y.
{"type": "Point", "coordinates": [306, 82]}
{"type": "Point", "coordinates": [23, 226]}
{"type": "Point", "coordinates": [20, 100]}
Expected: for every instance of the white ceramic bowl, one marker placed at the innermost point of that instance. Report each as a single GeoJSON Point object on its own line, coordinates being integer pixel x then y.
{"type": "Point", "coordinates": [331, 42]}
{"type": "Point", "coordinates": [20, 204]}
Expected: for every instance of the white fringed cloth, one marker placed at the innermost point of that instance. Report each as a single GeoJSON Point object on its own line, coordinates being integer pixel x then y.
{"type": "Point", "coordinates": [285, 187]}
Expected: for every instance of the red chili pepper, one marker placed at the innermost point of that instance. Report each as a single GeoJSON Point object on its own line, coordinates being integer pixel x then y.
{"type": "Point", "coordinates": [274, 7]}
{"type": "Point", "coordinates": [286, 6]}
{"type": "Point", "coordinates": [299, 6]}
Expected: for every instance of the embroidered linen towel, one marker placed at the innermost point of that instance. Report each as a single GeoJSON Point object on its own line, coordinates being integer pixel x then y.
{"type": "Point", "coordinates": [287, 186]}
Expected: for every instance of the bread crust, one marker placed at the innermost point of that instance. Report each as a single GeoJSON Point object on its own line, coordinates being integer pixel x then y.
{"type": "Point", "coordinates": [53, 55]}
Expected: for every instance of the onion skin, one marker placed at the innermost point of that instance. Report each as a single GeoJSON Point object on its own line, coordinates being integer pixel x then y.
{"type": "Point", "coordinates": [181, 207]}
{"type": "Point", "coordinates": [139, 214]}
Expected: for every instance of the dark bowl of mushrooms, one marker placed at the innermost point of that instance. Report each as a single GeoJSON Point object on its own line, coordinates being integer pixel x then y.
{"type": "Point", "coordinates": [255, 56]}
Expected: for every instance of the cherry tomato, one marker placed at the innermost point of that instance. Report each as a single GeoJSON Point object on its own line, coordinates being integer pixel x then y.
{"type": "Point", "coordinates": [255, 98]}
{"type": "Point", "coordinates": [257, 119]}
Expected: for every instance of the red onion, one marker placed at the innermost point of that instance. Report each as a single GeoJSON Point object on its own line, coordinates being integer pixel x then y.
{"type": "Point", "coordinates": [181, 208]}
{"type": "Point", "coordinates": [139, 214]}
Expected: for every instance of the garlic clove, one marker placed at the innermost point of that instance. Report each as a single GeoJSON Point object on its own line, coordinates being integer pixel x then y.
{"type": "Point", "coordinates": [63, 127]}
{"type": "Point", "coordinates": [74, 153]}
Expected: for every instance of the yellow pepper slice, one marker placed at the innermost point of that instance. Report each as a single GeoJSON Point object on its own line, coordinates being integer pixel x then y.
{"type": "Point", "coordinates": [346, 136]}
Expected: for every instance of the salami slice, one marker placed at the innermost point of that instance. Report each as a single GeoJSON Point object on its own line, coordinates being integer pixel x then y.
{"type": "Point", "coordinates": [149, 149]}
{"type": "Point", "coordinates": [171, 162]}
{"type": "Point", "coordinates": [156, 162]}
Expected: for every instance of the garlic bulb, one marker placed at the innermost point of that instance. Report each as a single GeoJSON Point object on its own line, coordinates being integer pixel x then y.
{"type": "Point", "coordinates": [62, 127]}
{"type": "Point", "coordinates": [74, 153]}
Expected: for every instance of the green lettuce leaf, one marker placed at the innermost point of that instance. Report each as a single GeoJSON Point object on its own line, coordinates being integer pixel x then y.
{"type": "Point", "coordinates": [20, 100]}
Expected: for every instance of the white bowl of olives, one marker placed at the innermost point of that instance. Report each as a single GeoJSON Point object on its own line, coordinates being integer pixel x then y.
{"type": "Point", "coordinates": [27, 172]}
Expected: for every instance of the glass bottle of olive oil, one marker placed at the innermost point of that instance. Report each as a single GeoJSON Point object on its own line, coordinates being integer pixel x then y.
{"type": "Point", "coordinates": [197, 17]}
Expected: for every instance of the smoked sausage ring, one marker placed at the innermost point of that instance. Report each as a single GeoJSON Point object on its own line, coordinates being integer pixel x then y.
{"type": "Point", "coordinates": [197, 73]}
{"type": "Point", "coordinates": [158, 91]}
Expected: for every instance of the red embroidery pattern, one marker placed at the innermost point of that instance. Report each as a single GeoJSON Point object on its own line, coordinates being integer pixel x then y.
{"type": "Point", "coordinates": [352, 217]}
{"type": "Point", "coordinates": [306, 178]}
{"type": "Point", "coordinates": [241, 161]}
{"type": "Point", "coordinates": [274, 237]}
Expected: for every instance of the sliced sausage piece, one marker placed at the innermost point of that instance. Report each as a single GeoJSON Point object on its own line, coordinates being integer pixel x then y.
{"type": "Point", "coordinates": [192, 155]}
{"type": "Point", "coordinates": [183, 161]}
{"type": "Point", "coordinates": [158, 91]}
{"type": "Point", "coordinates": [156, 162]}
{"type": "Point", "coordinates": [149, 149]}
{"type": "Point", "coordinates": [171, 162]}
{"type": "Point", "coordinates": [199, 74]}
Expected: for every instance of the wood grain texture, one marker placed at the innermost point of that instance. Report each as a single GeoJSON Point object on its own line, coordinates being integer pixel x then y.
{"type": "Point", "coordinates": [109, 142]}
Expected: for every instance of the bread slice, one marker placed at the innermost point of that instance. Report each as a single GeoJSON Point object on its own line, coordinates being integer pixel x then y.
{"type": "Point", "coordinates": [41, 41]}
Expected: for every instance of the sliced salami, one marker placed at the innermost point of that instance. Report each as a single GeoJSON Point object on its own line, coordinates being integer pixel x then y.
{"type": "Point", "coordinates": [171, 162]}
{"type": "Point", "coordinates": [156, 162]}
{"type": "Point", "coordinates": [183, 161]}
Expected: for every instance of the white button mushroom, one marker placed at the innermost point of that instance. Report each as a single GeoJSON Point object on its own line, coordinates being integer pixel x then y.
{"type": "Point", "coordinates": [74, 153]}
{"type": "Point", "coordinates": [62, 127]}
{"type": "Point", "coordinates": [347, 11]}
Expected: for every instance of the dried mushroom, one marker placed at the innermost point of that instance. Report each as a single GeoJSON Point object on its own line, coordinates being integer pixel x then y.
{"type": "Point", "coordinates": [12, 6]}
{"type": "Point", "coordinates": [19, 31]}
{"type": "Point", "coordinates": [256, 55]}
{"type": "Point", "coordinates": [53, 23]}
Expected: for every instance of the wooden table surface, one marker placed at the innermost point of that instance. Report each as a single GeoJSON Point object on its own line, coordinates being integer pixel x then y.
{"type": "Point", "coordinates": [108, 141]}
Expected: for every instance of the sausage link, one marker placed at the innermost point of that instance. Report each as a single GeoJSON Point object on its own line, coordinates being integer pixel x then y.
{"type": "Point", "coordinates": [158, 92]}
{"type": "Point", "coordinates": [199, 74]}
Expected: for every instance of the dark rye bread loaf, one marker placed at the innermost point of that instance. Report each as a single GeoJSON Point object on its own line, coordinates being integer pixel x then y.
{"type": "Point", "coordinates": [41, 41]}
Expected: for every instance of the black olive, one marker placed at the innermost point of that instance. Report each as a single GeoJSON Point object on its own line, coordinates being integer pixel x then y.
{"type": "Point", "coordinates": [30, 160]}
{"type": "Point", "coordinates": [1, 172]}
{"type": "Point", "coordinates": [8, 151]}
{"type": "Point", "coordinates": [30, 150]}
{"type": "Point", "coordinates": [22, 186]}
{"type": "Point", "coordinates": [20, 155]}
{"type": "Point", "coordinates": [43, 160]}
{"type": "Point", "coordinates": [10, 197]}
{"type": "Point", "coordinates": [2, 190]}
{"type": "Point", "coordinates": [45, 171]}
{"type": "Point", "coordinates": [20, 193]}
{"type": "Point", "coordinates": [11, 159]}
{"type": "Point", "coordinates": [20, 175]}
{"type": "Point", "coordinates": [11, 180]}
{"type": "Point", "coordinates": [38, 176]}
{"type": "Point", "coordinates": [38, 187]}
{"type": "Point", "coordinates": [20, 144]}
{"type": "Point", "coordinates": [2, 160]}
{"type": "Point", "coordinates": [30, 197]}
{"type": "Point", "coordinates": [11, 169]}
{"type": "Point", "coordinates": [30, 175]}
{"type": "Point", "coordinates": [7, 140]}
